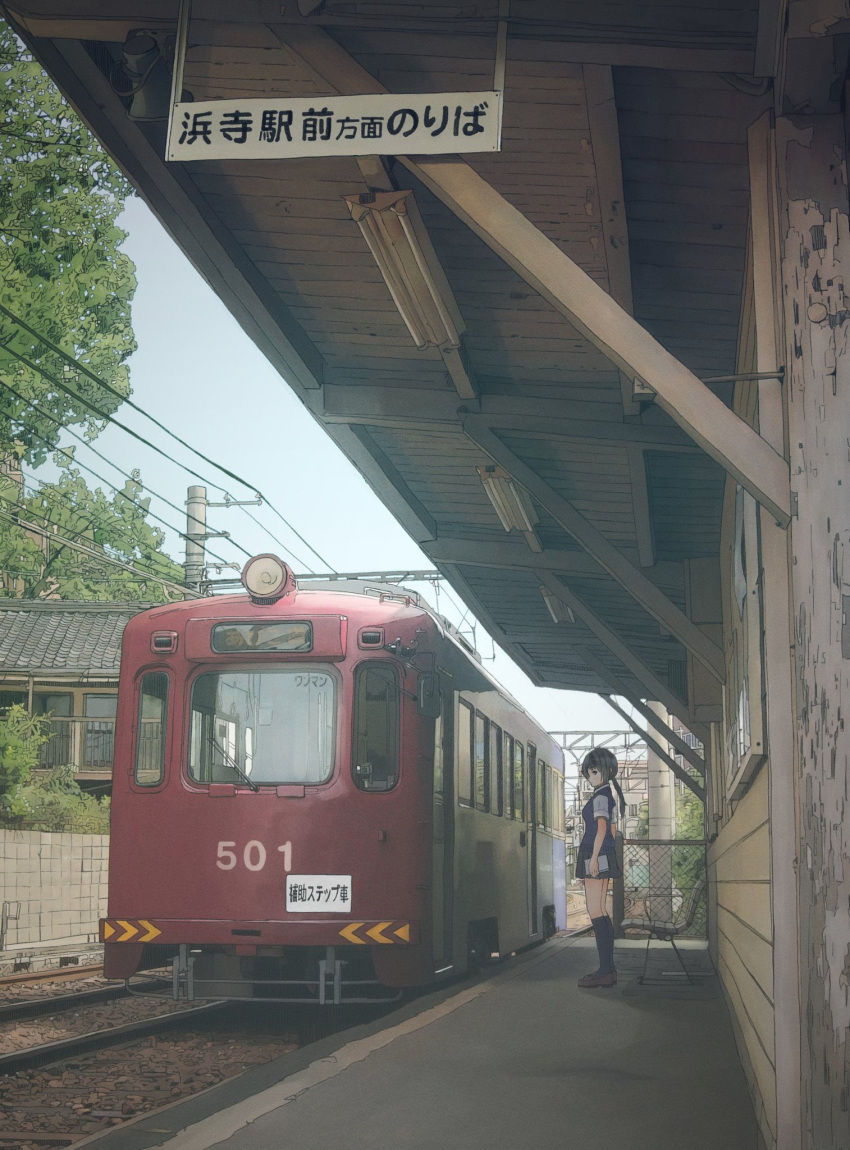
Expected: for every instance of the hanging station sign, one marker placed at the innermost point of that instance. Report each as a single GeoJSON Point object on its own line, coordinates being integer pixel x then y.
{"type": "Point", "coordinates": [384, 124]}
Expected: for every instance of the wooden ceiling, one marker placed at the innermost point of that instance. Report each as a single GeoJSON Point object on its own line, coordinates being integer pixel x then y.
{"type": "Point", "coordinates": [624, 144]}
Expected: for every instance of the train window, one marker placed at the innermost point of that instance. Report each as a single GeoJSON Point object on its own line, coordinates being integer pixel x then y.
{"type": "Point", "coordinates": [376, 727]}
{"type": "Point", "coordinates": [507, 779]}
{"type": "Point", "coordinates": [264, 727]}
{"type": "Point", "coordinates": [480, 762]}
{"type": "Point", "coordinates": [464, 754]}
{"type": "Point", "coordinates": [233, 637]}
{"type": "Point", "coordinates": [150, 744]}
{"type": "Point", "coordinates": [519, 781]}
{"type": "Point", "coordinates": [495, 764]}
{"type": "Point", "coordinates": [540, 813]}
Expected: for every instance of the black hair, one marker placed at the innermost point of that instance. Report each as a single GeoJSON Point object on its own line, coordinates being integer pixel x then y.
{"type": "Point", "coordinates": [605, 762]}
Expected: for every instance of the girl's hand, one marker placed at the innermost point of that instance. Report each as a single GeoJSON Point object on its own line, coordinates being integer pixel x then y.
{"type": "Point", "coordinates": [593, 868]}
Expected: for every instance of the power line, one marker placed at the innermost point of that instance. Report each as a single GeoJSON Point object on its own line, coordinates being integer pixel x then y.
{"type": "Point", "coordinates": [90, 523]}
{"type": "Point", "coordinates": [99, 556]}
{"type": "Point", "coordinates": [69, 359]}
{"type": "Point", "coordinates": [279, 542]}
{"type": "Point", "coordinates": [100, 455]}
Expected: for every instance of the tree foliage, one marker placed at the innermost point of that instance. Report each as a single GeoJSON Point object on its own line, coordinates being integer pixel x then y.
{"type": "Point", "coordinates": [112, 526]}
{"type": "Point", "coordinates": [21, 736]}
{"type": "Point", "coordinates": [63, 274]}
{"type": "Point", "coordinates": [61, 267]}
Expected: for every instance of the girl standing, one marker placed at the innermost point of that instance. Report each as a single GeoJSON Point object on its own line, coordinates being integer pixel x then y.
{"type": "Point", "coordinates": [597, 859]}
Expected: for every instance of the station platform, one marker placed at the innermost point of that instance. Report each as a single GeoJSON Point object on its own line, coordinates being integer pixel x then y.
{"type": "Point", "coordinates": [519, 1056]}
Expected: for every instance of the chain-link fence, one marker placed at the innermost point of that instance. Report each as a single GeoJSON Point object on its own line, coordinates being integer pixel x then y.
{"type": "Point", "coordinates": [659, 878]}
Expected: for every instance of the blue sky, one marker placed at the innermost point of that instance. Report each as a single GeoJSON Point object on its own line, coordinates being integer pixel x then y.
{"type": "Point", "coordinates": [196, 371]}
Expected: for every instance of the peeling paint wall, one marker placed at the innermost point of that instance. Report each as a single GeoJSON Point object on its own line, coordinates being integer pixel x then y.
{"type": "Point", "coordinates": [815, 275]}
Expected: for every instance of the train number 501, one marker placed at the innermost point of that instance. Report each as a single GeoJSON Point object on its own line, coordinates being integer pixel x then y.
{"type": "Point", "coordinates": [253, 856]}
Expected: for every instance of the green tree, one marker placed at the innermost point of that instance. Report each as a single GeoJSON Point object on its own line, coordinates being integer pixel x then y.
{"type": "Point", "coordinates": [61, 268]}
{"type": "Point", "coordinates": [113, 526]}
{"type": "Point", "coordinates": [63, 274]}
{"type": "Point", "coordinates": [21, 736]}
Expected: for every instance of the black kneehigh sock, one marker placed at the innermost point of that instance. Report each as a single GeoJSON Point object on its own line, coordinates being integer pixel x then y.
{"type": "Point", "coordinates": [601, 933]}
{"type": "Point", "coordinates": [609, 930]}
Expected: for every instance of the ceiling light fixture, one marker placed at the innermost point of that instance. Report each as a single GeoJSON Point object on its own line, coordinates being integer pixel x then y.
{"type": "Point", "coordinates": [385, 222]}
{"type": "Point", "coordinates": [510, 502]}
{"type": "Point", "coordinates": [559, 611]}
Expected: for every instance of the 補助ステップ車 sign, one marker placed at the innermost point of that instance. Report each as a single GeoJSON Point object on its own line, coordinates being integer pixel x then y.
{"type": "Point", "coordinates": [388, 124]}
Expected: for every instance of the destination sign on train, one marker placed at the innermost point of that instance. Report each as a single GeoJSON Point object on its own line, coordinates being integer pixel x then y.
{"type": "Point", "coordinates": [385, 124]}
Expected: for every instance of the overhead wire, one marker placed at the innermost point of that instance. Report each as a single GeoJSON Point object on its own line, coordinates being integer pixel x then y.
{"type": "Point", "coordinates": [99, 556]}
{"type": "Point", "coordinates": [102, 479]}
{"type": "Point", "coordinates": [168, 502]}
{"type": "Point", "coordinates": [72, 361]}
{"type": "Point", "coordinates": [89, 523]}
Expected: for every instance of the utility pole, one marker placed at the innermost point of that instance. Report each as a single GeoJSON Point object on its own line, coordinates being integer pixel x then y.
{"type": "Point", "coordinates": [195, 565]}
{"type": "Point", "coordinates": [196, 536]}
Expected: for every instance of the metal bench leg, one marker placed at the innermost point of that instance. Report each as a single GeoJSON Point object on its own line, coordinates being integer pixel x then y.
{"type": "Point", "coordinates": [684, 968]}
{"type": "Point", "coordinates": [645, 958]}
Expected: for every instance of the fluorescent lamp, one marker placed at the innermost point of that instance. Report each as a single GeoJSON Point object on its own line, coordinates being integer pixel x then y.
{"type": "Point", "coordinates": [510, 502]}
{"type": "Point", "coordinates": [559, 611]}
{"type": "Point", "coordinates": [384, 220]}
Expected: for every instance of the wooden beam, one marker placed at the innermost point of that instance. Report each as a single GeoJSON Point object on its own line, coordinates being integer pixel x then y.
{"type": "Point", "coordinates": [616, 685]}
{"type": "Point", "coordinates": [605, 146]}
{"type": "Point", "coordinates": [507, 556]}
{"type": "Point", "coordinates": [778, 623]}
{"type": "Point", "coordinates": [678, 771]}
{"type": "Point", "coordinates": [517, 557]}
{"type": "Point", "coordinates": [385, 480]}
{"type": "Point", "coordinates": [771, 30]}
{"type": "Point", "coordinates": [630, 577]}
{"type": "Point", "coordinates": [556, 40]}
{"type": "Point", "coordinates": [719, 431]}
{"type": "Point", "coordinates": [404, 407]}
{"type": "Point", "coordinates": [655, 688]}
{"type": "Point", "coordinates": [543, 265]}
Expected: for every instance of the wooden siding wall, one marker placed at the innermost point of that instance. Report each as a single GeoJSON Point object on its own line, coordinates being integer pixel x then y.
{"type": "Point", "coordinates": [739, 874]}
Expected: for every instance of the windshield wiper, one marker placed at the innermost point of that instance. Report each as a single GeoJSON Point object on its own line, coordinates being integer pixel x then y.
{"type": "Point", "coordinates": [234, 766]}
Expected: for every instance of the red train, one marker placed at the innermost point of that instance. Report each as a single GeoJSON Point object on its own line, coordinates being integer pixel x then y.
{"type": "Point", "coordinates": [321, 794]}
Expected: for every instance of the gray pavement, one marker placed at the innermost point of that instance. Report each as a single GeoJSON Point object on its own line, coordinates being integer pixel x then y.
{"type": "Point", "coordinates": [520, 1058]}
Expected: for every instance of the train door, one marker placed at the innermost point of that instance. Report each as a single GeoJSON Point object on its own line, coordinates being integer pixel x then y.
{"type": "Point", "coordinates": [531, 822]}
{"type": "Point", "coordinates": [442, 834]}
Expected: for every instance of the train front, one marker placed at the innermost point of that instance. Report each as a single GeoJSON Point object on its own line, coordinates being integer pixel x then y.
{"type": "Point", "coordinates": [268, 795]}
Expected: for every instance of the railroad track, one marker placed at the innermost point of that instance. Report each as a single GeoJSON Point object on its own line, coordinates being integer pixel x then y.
{"type": "Point", "coordinates": [51, 974]}
{"type": "Point", "coordinates": [49, 1052]}
{"type": "Point", "coordinates": [38, 1007]}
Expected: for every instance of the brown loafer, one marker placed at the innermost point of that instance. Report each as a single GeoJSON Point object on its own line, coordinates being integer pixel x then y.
{"type": "Point", "coordinates": [592, 981]}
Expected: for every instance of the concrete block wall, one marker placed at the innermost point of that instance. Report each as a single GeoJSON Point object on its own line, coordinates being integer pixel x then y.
{"type": "Point", "coordinates": [59, 881]}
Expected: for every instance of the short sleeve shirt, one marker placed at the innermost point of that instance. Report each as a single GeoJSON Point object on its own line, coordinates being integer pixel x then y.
{"type": "Point", "coordinates": [600, 805]}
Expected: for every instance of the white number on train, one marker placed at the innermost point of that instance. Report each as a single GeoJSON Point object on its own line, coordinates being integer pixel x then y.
{"type": "Point", "coordinates": [253, 856]}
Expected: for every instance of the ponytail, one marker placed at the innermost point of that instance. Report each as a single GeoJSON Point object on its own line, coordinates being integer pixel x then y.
{"type": "Point", "coordinates": [605, 761]}
{"type": "Point", "coordinates": [616, 786]}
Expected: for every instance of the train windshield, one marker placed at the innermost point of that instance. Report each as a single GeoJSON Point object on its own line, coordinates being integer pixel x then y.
{"type": "Point", "coordinates": [263, 727]}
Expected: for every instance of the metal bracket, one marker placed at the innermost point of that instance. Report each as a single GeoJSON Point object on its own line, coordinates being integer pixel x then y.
{"type": "Point", "coordinates": [179, 64]}
{"type": "Point", "coordinates": [183, 975]}
{"type": "Point", "coordinates": [330, 970]}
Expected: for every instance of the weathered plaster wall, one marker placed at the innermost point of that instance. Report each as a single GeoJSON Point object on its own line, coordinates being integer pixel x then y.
{"type": "Point", "coordinates": [815, 238]}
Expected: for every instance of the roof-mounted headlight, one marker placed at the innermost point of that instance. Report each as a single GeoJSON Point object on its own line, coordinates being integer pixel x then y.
{"type": "Point", "coordinates": [267, 578]}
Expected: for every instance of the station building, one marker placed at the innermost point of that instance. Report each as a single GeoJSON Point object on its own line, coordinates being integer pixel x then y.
{"type": "Point", "coordinates": [598, 372]}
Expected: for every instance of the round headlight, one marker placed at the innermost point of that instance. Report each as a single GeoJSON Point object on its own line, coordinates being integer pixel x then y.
{"type": "Point", "coordinates": [267, 577]}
